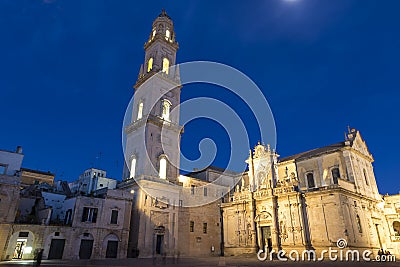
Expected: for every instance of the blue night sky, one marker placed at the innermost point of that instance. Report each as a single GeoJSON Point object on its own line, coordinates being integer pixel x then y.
{"type": "Point", "coordinates": [67, 68]}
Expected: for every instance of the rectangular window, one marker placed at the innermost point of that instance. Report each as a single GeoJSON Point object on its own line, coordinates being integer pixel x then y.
{"type": "Point", "coordinates": [205, 191]}
{"type": "Point", "coordinates": [204, 228]}
{"type": "Point", "coordinates": [114, 217]}
{"type": "Point", "coordinates": [89, 214]}
{"type": "Point", "coordinates": [3, 169]}
{"type": "Point", "coordinates": [191, 226]}
{"type": "Point", "coordinates": [335, 175]}
{"type": "Point", "coordinates": [23, 234]}
{"type": "Point", "coordinates": [310, 180]}
{"type": "Point", "coordinates": [163, 168]}
{"type": "Point", "coordinates": [192, 189]}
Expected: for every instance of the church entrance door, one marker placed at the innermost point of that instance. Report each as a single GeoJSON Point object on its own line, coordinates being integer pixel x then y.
{"type": "Point", "coordinates": [266, 238]}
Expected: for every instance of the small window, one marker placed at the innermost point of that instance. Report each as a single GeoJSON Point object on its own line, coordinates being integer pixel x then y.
{"type": "Point", "coordinates": [114, 217]}
{"type": "Point", "coordinates": [192, 189]}
{"type": "Point", "coordinates": [23, 234]}
{"type": "Point", "coordinates": [359, 224]}
{"type": "Point", "coordinates": [133, 167]}
{"type": "Point", "coordinates": [205, 191]}
{"type": "Point", "coordinates": [154, 33]}
{"type": "Point", "coordinates": [89, 215]}
{"type": "Point", "coordinates": [191, 226]}
{"type": "Point", "coordinates": [310, 180]}
{"type": "Point", "coordinates": [365, 177]}
{"type": "Point", "coordinates": [167, 34]}
{"type": "Point", "coordinates": [165, 68]}
{"type": "Point", "coordinates": [163, 168]}
{"type": "Point", "coordinates": [150, 64]}
{"type": "Point", "coordinates": [57, 234]}
{"type": "Point", "coordinates": [68, 216]}
{"type": "Point", "coordinates": [204, 228]}
{"type": "Point", "coordinates": [335, 175]}
{"type": "Point", "coordinates": [140, 110]}
{"type": "Point", "coordinates": [396, 228]}
{"type": "Point", "coordinates": [3, 169]}
{"type": "Point", "coordinates": [166, 106]}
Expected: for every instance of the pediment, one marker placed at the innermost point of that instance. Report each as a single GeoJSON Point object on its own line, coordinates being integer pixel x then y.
{"type": "Point", "coordinates": [360, 145]}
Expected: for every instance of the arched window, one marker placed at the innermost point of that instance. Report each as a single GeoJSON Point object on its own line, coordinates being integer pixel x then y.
{"type": "Point", "coordinates": [365, 177]}
{"type": "Point", "coordinates": [396, 228]}
{"type": "Point", "coordinates": [166, 106]}
{"type": "Point", "coordinates": [165, 68]}
{"type": "Point", "coordinates": [140, 110]}
{"type": "Point", "coordinates": [150, 64]}
{"type": "Point", "coordinates": [335, 175]}
{"type": "Point", "coordinates": [154, 33]}
{"type": "Point", "coordinates": [359, 224]}
{"type": "Point", "coordinates": [167, 34]}
{"type": "Point", "coordinates": [310, 180]}
{"type": "Point", "coordinates": [163, 168]}
{"type": "Point", "coordinates": [133, 167]}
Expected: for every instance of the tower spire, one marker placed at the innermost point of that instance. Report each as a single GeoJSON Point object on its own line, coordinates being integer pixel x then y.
{"type": "Point", "coordinates": [160, 49]}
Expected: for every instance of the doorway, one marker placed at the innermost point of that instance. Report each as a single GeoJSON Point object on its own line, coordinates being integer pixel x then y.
{"type": "Point", "coordinates": [266, 238]}
{"type": "Point", "coordinates": [85, 250]}
{"type": "Point", "coordinates": [112, 249]}
{"type": "Point", "coordinates": [56, 249]}
{"type": "Point", "coordinates": [159, 241]}
{"type": "Point", "coordinates": [19, 249]}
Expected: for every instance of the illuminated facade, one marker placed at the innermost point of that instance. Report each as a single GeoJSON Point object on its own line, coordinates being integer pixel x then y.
{"type": "Point", "coordinates": [306, 201]}
{"type": "Point", "coordinates": [310, 201]}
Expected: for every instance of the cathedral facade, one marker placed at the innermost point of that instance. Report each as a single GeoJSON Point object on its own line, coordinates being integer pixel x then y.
{"type": "Point", "coordinates": [308, 201]}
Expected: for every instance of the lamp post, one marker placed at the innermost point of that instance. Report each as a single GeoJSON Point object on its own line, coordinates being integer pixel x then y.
{"type": "Point", "coordinates": [222, 244]}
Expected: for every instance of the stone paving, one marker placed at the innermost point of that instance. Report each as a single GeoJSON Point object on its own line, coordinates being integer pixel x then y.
{"type": "Point", "coordinates": [212, 261]}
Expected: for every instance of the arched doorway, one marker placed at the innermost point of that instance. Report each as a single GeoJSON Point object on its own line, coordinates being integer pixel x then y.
{"type": "Point", "coordinates": [86, 247]}
{"type": "Point", "coordinates": [56, 244]}
{"type": "Point", "coordinates": [264, 229]}
{"type": "Point", "coordinates": [111, 245]}
{"type": "Point", "coordinates": [20, 246]}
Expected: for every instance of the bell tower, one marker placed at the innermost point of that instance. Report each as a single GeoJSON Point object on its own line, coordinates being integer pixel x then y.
{"type": "Point", "coordinates": [160, 48]}
{"type": "Point", "coordinates": [153, 136]}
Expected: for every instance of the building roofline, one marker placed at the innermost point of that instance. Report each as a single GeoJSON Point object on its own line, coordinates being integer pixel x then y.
{"type": "Point", "coordinates": [38, 171]}
{"type": "Point", "coordinates": [314, 152]}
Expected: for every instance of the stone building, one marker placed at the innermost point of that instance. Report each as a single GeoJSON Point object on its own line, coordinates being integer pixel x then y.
{"type": "Point", "coordinates": [91, 180]}
{"type": "Point", "coordinates": [310, 201]}
{"type": "Point", "coordinates": [37, 213]}
{"type": "Point", "coordinates": [392, 216]}
{"type": "Point", "coordinates": [30, 177]}
{"type": "Point", "coordinates": [305, 201]}
{"type": "Point", "coordinates": [93, 228]}
{"type": "Point", "coordinates": [165, 219]}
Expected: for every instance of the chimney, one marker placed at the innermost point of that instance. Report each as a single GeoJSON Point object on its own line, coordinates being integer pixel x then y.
{"type": "Point", "coordinates": [19, 150]}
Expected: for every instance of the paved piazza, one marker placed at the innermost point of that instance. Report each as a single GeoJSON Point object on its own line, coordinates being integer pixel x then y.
{"type": "Point", "coordinates": [213, 261]}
